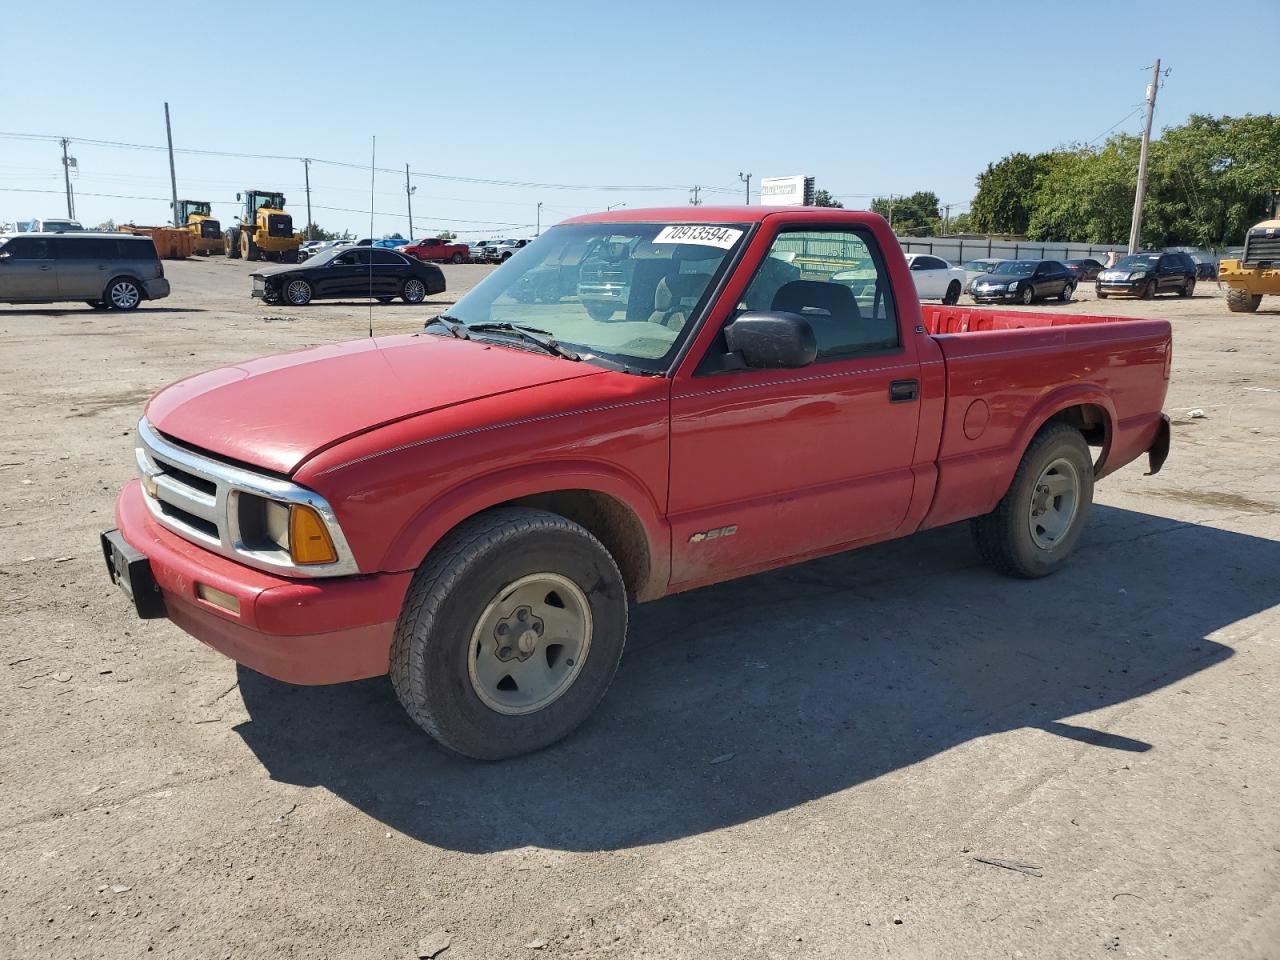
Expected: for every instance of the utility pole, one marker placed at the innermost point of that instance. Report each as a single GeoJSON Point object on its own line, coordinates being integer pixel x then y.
{"type": "Point", "coordinates": [408, 195]}
{"type": "Point", "coordinates": [1140, 195]}
{"type": "Point", "coordinates": [66, 173]}
{"type": "Point", "coordinates": [746, 178]}
{"type": "Point", "coordinates": [891, 211]}
{"type": "Point", "coordinates": [946, 217]}
{"type": "Point", "coordinates": [538, 230]}
{"type": "Point", "coordinates": [173, 176]}
{"type": "Point", "coordinates": [693, 199]}
{"type": "Point", "coordinates": [306, 176]}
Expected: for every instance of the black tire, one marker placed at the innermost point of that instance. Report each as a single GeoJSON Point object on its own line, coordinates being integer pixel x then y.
{"type": "Point", "coordinates": [1242, 301]}
{"type": "Point", "coordinates": [413, 290]}
{"type": "Point", "coordinates": [1068, 291]}
{"type": "Point", "coordinates": [123, 293]}
{"type": "Point", "coordinates": [297, 292]}
{"type": "Point", "coordinates": [1004, 536]}
{"type": "Point", "coordinates": [1028, 295]}
{"type": "Point", "coordinates": [431, 651]}
{"type": "Point", "coordinates": [506, 256]}
{"type": "Point", "coordinates": [1187, 289]}
{"type": "Point", "coordinates": [1100, 295]}
{"type": "Point", "coordinates": [231, 244]}
{"type": "Point", "coordinates": [599, 310]}
{"type": "Point", "coordinates": [952, 296]}
{"type": "Point", "coordinates": [97, 304]}
{"type": "Point", "coordinates": [1149, 291]}
{"type": "Point", "coordinates": [456, 258]}
{"type": "Point", "coordinates": [248, 248]}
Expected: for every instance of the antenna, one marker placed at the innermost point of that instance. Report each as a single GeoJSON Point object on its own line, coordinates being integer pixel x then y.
{"type": "Point", "coordinates": [373, 175]}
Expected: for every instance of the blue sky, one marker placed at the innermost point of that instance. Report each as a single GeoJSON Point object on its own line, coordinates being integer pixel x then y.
{"type": "Point", "coordinates": [868, 98]}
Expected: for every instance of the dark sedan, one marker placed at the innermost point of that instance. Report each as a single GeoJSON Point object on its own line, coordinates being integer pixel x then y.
{"type": "Point", "coordinates": [1025, 281]}
{"type": "Point", "coordinates": [349, 272]}
{"type": "Point", "coordinates": [1084, 270]}
{"type": "Point", "coordinates": [1147, 274]}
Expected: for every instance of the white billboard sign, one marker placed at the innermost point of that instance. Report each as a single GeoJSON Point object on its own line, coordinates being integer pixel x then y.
{"type": "Point", "coordinates": [782, 191]}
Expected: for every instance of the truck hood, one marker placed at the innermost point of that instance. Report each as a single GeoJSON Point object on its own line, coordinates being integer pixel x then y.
{"type": "Point", "coordinates": [276, 412]}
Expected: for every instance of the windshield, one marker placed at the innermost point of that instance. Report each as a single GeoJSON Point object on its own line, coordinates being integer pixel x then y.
{"type": "Point", "coordinates": [628, 292]}
{"type": "Point", "coordinates": [980, 266]}
{"type": "Point", "coordinates": [1138, 262]}
{"type": "Point", "coordinates": [1016, 268]}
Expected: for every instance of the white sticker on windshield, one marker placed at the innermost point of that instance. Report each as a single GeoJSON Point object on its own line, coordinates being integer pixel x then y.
{"type": "Point", "coordinates": [701, 234]}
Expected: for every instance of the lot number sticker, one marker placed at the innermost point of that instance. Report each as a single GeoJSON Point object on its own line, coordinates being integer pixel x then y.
{"type": "Point", "coordinates": [706, 236]}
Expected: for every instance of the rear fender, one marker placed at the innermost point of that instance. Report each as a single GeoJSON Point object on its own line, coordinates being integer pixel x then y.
{"type": "Point", "coordinates": [445, 512]}
{"type": "Point", "coordinates": [1054, 403]}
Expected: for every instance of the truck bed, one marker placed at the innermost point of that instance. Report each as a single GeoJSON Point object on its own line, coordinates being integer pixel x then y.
{"type": "Point", "coordinates": [1006, 371]}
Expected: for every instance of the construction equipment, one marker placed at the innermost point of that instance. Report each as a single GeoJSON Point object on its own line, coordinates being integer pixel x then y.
{"type": "Point", "coordinates": [263, 231]}
{"type": "Point", "coordinates": [194, 216]}
{"type": "Point", "coordinates": [1257, 272]}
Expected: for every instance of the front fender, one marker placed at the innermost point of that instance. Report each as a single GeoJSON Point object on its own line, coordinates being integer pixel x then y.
{"type": "Point", "coordinates": [445, 512]}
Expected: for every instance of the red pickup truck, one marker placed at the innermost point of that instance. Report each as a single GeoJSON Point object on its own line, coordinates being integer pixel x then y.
{"type": "Point", "coordinates": [472, 507]}
{"type": "Point", "coordinates": [433, 248]}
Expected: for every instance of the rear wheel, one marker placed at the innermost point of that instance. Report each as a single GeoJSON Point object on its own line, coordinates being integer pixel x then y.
{"type": "Point", "coordinates": [510, 634]}
{"type": "Point", "coordinates": [1242, 301]}
{"type": "Point", "coordinates": [456, 258]}
{"type": "Point", "coordinates": [953, 294]}
{"type": "Point", "coordinates": [1038, 522]}
{"type": "Point", "coordinates": [413, 291]}
{"type": "Point", "coordinates": [1068, 292]}
{"type": "Point", "coordinates": [298, 292]}
{"type": "Point", "coordinates": [1188, 288]}
{"type": "Point", "coordinates": [123, 294]}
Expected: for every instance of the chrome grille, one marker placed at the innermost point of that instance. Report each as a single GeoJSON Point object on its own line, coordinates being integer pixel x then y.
{"type": "Point", "coordinates": [199, 499]}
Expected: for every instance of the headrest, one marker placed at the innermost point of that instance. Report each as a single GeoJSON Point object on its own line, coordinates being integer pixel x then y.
{"type": "Point", "coordinates": [834, 298]}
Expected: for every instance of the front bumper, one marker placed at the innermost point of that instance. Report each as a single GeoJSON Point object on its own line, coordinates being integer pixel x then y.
{"type": "Point", "coordinates": [993, 296]}
{"type": "Point", "coordinates": [300, 631]}
{"type": "Point", "coordinates": [156, 289]}
{"type": "Point", "coordinates": [1121, 288]}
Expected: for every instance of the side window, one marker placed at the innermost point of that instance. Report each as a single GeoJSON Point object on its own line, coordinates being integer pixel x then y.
{"type": "Point", "coordinates": [385, 258]}
{"type": "Point", "coordinates": [29, 248]}
{"type": "Point", "coordinates": [144, 249]}
{"type": "Point", "coordinates": [837, 281]}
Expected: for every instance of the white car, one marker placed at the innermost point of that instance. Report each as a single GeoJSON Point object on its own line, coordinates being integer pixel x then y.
{"type": "Point", "coordinates": [978, 268]}
{"type": "Point", "coordinates": [935, 278]}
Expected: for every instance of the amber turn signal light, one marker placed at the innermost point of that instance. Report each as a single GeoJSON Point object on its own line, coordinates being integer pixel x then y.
{"type": "Point", "coordinates": [309, 540]}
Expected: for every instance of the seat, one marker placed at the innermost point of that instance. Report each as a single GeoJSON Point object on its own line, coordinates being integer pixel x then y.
{"type": "Point", "coordinates": [675, 297]}
{"type": "Point", "coordinates": [831, 309]}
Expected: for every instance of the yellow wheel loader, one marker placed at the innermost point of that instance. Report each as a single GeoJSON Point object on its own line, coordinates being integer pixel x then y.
{"type": "Point", "coordinates": [263, 231]}
{"type": "Point", "coordinates": [195, 217]}
{"type": "Point", "coordinates": [1257, 272]}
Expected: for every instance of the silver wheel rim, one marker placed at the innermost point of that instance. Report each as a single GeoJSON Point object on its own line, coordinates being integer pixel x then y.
{"type": "Point", "coordinates": [299, 292]}
{"type": "Point", "coordinates": [530, 643]}
{"type": "Point", "coordinates": [1054, 502]}
{"type": "Point", "coordinates": [414, 290]}
{"type": "Point", "coordinates": [124, 295]}
{"type": "Point", "coordinates": [1027, 295]}
{"type": "Point", "coordinates": [1068, 292]}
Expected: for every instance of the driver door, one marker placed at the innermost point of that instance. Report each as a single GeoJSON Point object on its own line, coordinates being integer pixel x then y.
{"type": "Point", "coordinates": [347, 275]}
{"type": "Point", "coordinates": [770, 465]}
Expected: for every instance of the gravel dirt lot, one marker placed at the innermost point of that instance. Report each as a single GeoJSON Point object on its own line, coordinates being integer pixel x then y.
{"type": "Point", "coordinates": [808, 763]}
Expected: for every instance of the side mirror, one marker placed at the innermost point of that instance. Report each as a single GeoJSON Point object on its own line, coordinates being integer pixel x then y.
{"type": "Point", "coordinates": [772, 341]}
{"type": "Point", "coordinates": [237, 198]}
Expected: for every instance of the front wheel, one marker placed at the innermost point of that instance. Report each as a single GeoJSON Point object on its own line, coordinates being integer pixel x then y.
{"type": "Point", "coordinates": [298, 292]}
{"type": "Point", "coordinates": [510, 634]}
{"type": "Point", "coordinates": [1100, 295]}
{"type": "Point", "coordinates": [952, 295]}
{"type": "Point", "coordinates": [1149, 291]}
{"type": "Point", "coordinates": [413, 291]}
{"type": "Point", "coordinates": [1028, 295]}
{"type": "Point", "coordinates": [1036, 525]}
{"type": "Point", "coordinates": [123, 294]}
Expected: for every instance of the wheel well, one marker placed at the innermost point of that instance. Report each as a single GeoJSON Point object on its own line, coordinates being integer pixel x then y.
{"type": "Point", "coordinates": [1092, 422]}
{"type": "Point", "coordinates": [609, 520]}
{"type": "Point", "coordinates": [142, 290]}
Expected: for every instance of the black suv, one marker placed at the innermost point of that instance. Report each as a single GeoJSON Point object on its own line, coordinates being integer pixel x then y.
{"type": "Point", "coordinates": [1146, 274]}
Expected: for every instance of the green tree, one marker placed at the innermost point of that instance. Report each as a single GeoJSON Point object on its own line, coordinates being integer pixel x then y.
{"type": "Point", "coordinates": [1006, 189]}
{"type": "Point", "coordinates": [317, 232]}
{"type": "Point", "coordinates": [446, 235]}
{"type": "Point", "coordinates": [106, 226]}
{"type": "Point", "coordinates": [915, 214]}
{"type": "Point", "coordinates": [822, 198]}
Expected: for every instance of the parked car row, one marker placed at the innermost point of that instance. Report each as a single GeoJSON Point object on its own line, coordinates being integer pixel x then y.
{"type": "Point", "coordinates": [348, 271]}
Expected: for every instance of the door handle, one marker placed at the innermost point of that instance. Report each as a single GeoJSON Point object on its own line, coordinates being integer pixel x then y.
{"type": "Point", "coordinates": [904, 391]}
{"type": "Point", "coordinates": [46, 267]}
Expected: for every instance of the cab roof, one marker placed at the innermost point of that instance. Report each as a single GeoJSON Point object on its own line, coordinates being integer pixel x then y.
{"type": "Point", "coordinates": [729, 214]}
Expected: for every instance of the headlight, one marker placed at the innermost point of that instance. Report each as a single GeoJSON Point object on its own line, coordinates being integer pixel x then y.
{"type": "Point", "coordinates": [292, 528]}
{"type": "Point", "coordinates": [1013, 287]}
{"type": "Point", "coordinates": [1137, 275]}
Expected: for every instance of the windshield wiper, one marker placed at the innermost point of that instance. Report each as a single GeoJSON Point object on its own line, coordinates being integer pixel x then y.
{"type": "Point", "coordinates": [528, 335]}
{"type": "Point", "coordinates": [455, 326]}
